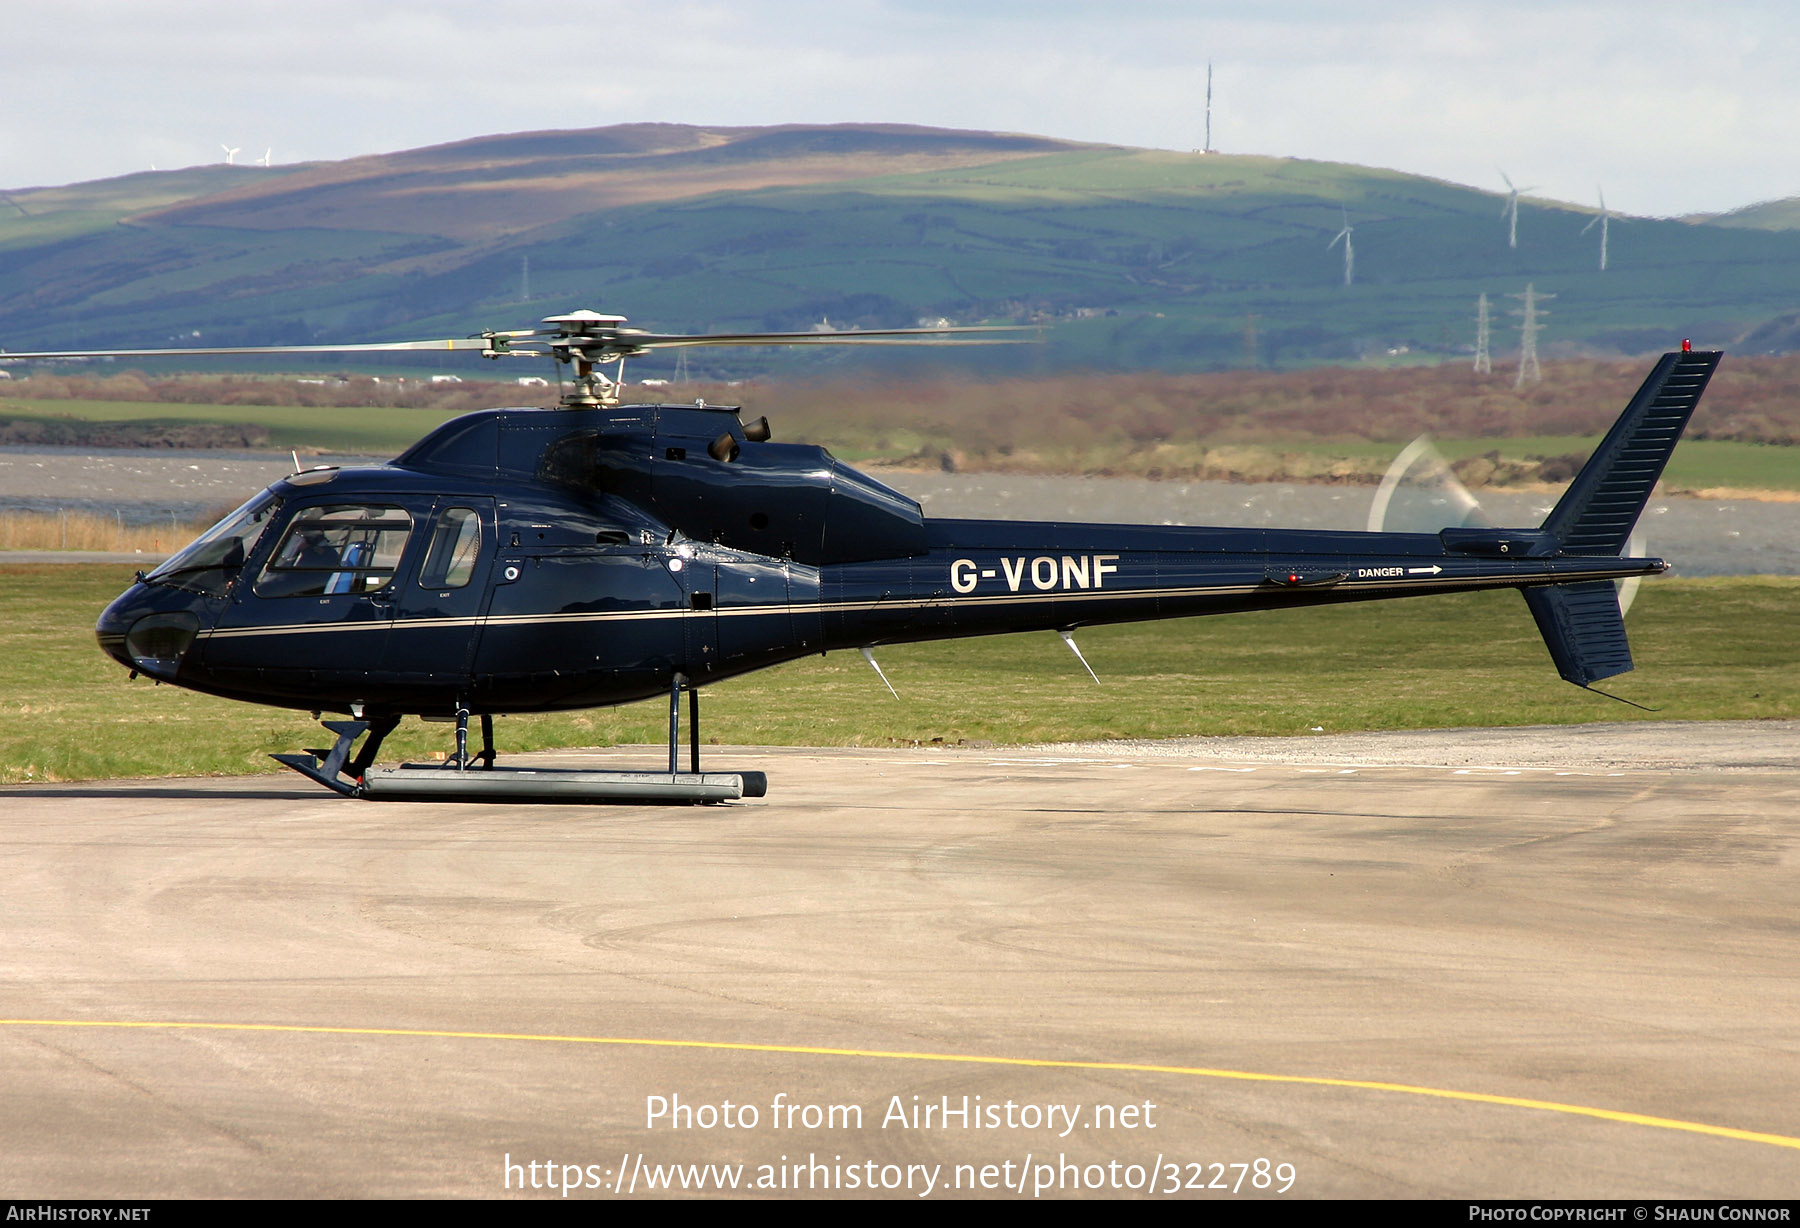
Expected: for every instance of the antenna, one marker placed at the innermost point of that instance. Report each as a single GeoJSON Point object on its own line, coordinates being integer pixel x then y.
{"type": "Point", "coordinates": [1484, 363]}
{"type": "Point", "coordinates": [1207, 147]}
{"type": "Point", "coordinates": [1068, 637]}
{"type": "Point", "coordinates": [1603, 219]}
{"type": "Point", "coordinates": [868, 652]}
{"type": "Point", "coordinates": [1528, 331]}
{"type": "Point", "coordinates": [524, 279]}
{"type": "Point", "coordinates": [1349, 249]}
{"type": "Point", "coordinates": [1510, 212]}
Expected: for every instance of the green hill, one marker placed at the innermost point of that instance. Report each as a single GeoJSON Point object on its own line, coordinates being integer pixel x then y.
{"type": "Point", "coordinates": [1132, 258]}
{"type": "Point", "coordinates": [30, 217]}
{"type": "Point", "coordinates": [1765, 215]}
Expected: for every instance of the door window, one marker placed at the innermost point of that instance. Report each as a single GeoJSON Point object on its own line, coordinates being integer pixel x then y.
{"type": "Point", "coordinates": [336, 549]}
{"type": "Point", "coordinates": [455, 545]}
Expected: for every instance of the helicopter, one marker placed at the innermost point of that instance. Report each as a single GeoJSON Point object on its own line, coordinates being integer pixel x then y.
{"type": "Point", "coordinates": [598, 553]}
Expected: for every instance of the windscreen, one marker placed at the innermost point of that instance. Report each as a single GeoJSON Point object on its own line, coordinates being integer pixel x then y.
{"type": "Point", "coordinates": [210, 561]}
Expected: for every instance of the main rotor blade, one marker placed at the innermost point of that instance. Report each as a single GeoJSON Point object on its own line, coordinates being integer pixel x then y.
{"type": "Point", "coordinates": [452, 343]}
{"type": "Point", "coordinates": [914, 336]}
{"type": "Point", "coordinates": [530, 342]}
{"type": "Point", "coordinates": [836, 339]}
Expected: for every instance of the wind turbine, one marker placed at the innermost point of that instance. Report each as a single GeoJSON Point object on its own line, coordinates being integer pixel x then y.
{"type": "Point", "coordinates": [231, 154]}
{"type": "Point", "coordinates": [264, 160]}
{"type": "Point", "coordinates": [1511, 211]}
{"type": "Point", "coordinates": [1605, 216]}
{"type": "Point", "coordinates": [1349, 249]}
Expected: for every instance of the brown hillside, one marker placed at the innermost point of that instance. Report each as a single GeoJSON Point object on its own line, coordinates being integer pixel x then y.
{"type": "Point", "coordinates": [1200, 426]}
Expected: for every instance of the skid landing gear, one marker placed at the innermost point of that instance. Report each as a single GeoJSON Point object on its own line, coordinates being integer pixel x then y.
{"type": "Point", "coordinates": [458, 780]}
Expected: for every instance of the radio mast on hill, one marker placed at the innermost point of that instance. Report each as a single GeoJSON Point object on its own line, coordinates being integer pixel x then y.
{"type": "Point", "coordinates": [1206, 145]}
{"type": "Point", "coordinates": [1529, 328]}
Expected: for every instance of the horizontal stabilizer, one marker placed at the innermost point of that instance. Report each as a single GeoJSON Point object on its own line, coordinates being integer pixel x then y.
{"type": "Point", "coordinates": [1583, 629]}
{"type": "Point", "coordinates": [1596, 514]}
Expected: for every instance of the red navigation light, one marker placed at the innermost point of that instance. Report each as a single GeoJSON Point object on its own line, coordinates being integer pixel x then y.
{"type": "Point", "coordinates": [1686, 345]}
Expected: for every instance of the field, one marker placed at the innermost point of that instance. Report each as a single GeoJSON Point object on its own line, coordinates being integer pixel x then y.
{"type": "Point", "coordinates": [1706, 649]}
{"type": "Point", "coordinates": [1338, 424]}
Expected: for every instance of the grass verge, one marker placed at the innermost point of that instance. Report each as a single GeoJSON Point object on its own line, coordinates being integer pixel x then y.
{"type": "Point", "coordinates": [85, 531]}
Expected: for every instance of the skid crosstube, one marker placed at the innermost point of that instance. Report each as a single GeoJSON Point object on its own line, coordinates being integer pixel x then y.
{"type": "Point", "coordinates": [416, 782]}
{"type": "Point", "coordinates": [458, 781]}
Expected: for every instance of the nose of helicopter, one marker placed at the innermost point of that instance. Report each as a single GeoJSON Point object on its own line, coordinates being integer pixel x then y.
{"type": "Point", "coordinates": [150, 628]}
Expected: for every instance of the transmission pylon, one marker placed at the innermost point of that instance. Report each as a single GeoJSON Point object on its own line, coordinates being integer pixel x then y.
{"type": "Point", "coordinates": [1529, 328]}
{"type": "Point", "coordinates": [1484, 362]}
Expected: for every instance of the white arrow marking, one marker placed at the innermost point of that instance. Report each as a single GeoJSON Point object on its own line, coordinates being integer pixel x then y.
{"type": "Point", "coordinates": [1424, 571]}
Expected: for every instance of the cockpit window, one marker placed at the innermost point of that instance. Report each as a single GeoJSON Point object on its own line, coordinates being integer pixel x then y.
{"type": "Point", "coordinates": [213, 559]}
{"type": "Point", "coordinates": [455, 543]}
{"type": "Point", "coordinates": [336, 549]}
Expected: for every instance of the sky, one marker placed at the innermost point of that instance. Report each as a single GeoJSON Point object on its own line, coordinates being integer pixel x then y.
{"type": "Point", "coordinates": [1670, 108]}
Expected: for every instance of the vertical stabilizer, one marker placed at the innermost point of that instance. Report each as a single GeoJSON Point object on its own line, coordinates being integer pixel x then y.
{"type": "Point", "coordinates": [1583, 629]}
{"type": "Point", "coordinates": [1581, 623]}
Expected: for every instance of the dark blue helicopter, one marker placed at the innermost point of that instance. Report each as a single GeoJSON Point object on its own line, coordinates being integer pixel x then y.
{"type": "Point", "coordinates": [529, 560]}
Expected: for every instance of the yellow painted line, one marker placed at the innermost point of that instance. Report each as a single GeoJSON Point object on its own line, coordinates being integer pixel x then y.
{"type": "Point", "coordinates": [1202, 1072]}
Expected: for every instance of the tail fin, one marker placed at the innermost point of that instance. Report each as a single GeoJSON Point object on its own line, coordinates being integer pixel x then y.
{"type": "Point", "coordinates": [1596, 513]}
{"type": "Point", "coordinates": [1581, 623]}
{"type": "Point", "coordinates": [1583, 630]}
